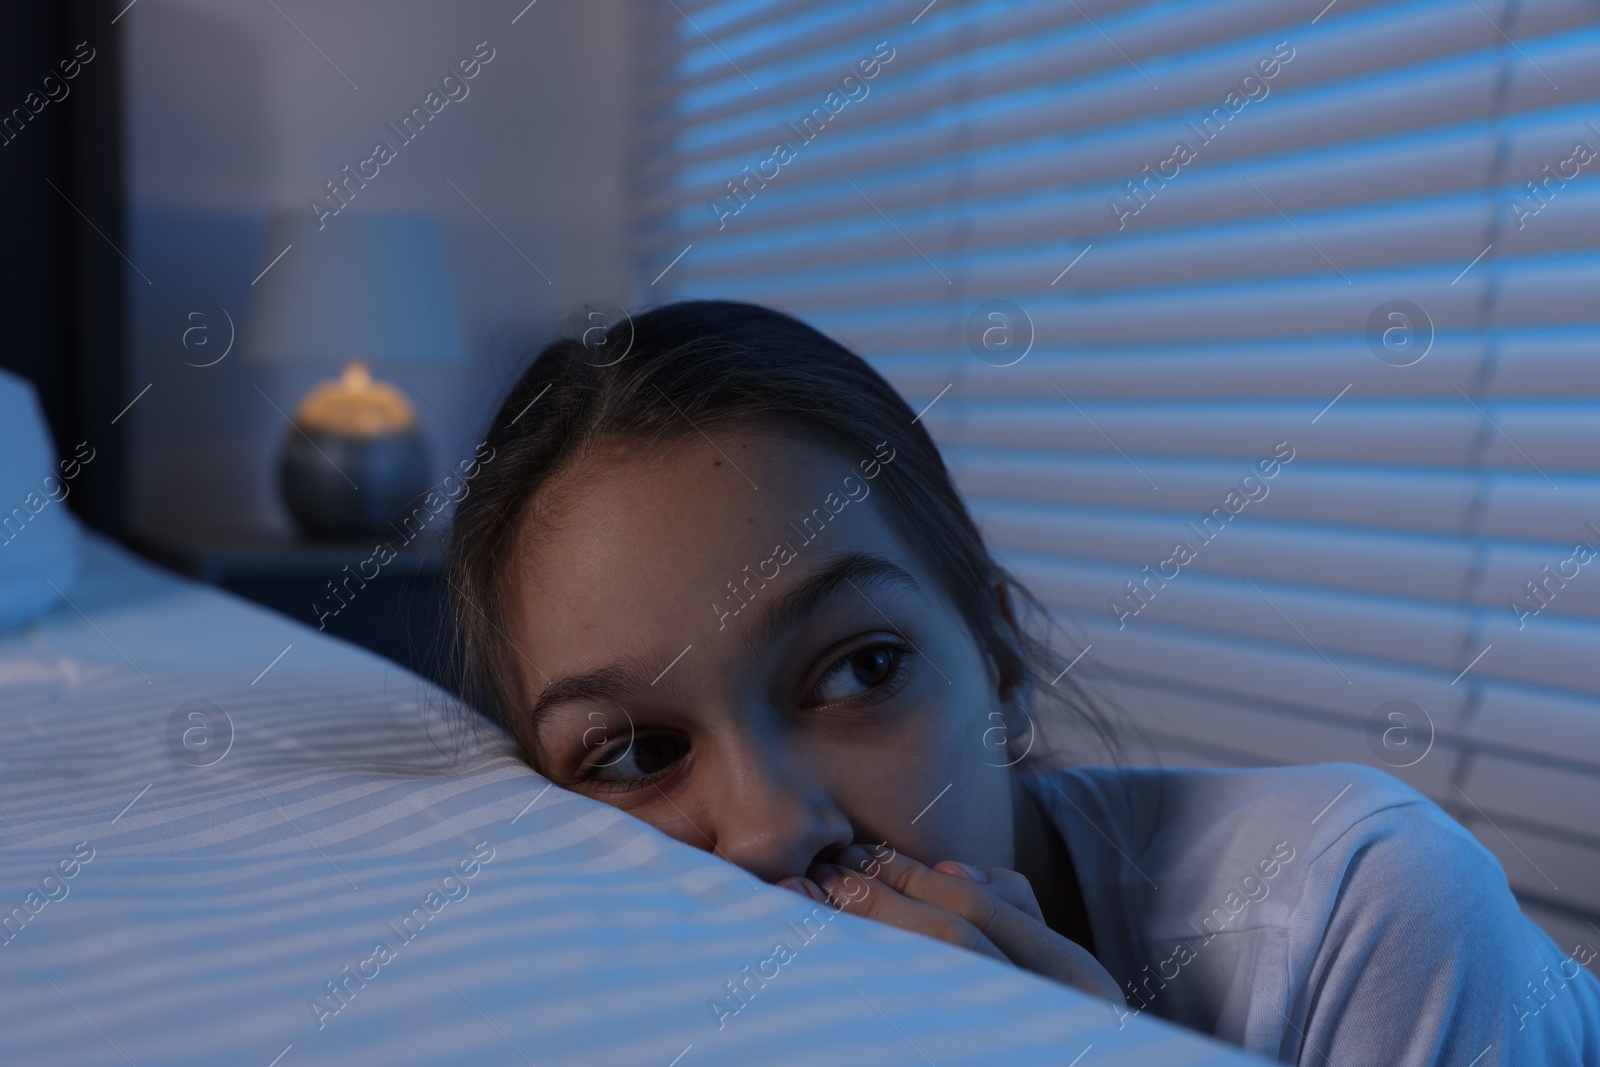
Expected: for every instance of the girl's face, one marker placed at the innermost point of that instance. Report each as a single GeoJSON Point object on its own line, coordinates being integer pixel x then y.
{"type": "Point", "coordinates": [725, 638]}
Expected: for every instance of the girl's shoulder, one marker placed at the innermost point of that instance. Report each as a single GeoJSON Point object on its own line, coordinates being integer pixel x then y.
{"type": "Point", "coordinates": [1333, 877]}
{"type": "Point", "coordinates": [1169, 815]}
{"type": "Point", "coordinates": [1165, 854]}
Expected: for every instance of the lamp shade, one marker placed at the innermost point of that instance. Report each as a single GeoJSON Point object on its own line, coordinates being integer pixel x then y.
{"type": "Point", "coordinates": [370, 286]}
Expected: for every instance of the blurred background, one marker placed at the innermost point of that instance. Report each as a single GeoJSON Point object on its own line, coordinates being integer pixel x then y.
{"type": "Point", "coordinates": [1261, 334]}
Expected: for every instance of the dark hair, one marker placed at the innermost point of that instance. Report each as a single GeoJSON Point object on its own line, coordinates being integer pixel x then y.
{"type": "Point", "coordinates": [700, 365]}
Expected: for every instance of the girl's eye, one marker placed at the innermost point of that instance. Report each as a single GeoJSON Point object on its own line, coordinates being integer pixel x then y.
{"type": "Point", "coordinates": [862, 671]}
{"type": "Point", "coordinates": [634, 761]}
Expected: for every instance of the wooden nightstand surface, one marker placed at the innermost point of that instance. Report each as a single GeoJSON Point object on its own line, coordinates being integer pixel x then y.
{"type": "Point", "coordinates": [396, 609]}
{"type": "Point", "coordinates": [219, 557]}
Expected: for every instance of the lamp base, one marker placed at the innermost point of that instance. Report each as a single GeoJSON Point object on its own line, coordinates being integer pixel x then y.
{"type": "Point", "coordinates": [341, 486]}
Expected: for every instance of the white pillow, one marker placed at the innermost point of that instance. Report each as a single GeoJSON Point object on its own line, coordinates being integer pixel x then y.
{"type": "Point", "coordinates": [40, 540]}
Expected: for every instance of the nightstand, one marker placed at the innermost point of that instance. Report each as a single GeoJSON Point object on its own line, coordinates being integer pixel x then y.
{"type": "Point", "coordinates": [394, 606]}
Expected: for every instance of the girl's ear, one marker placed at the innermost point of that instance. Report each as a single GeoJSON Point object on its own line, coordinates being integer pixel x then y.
{"type": "Point", "coordinates": [1010, 682]}
{"type": "Point", "coordinates": [1013, 689]}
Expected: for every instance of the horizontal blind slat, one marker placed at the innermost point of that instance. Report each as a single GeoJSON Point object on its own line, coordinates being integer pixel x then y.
{"type": "Point", "coordinates": [1244, 732]}
{"type": "Point", "coordinates": [1313, 371]}
{"type": "Point", "coordinates": [1350, 497]}
{"type": "Point", "coordinates": [1393, 630]}
{"type": "Point", "coordinates": [1430, 568]}
{"type": "Point", "coordinates": [1269, 673]}
{"type": "Point", "coordinates": [1294, 309]}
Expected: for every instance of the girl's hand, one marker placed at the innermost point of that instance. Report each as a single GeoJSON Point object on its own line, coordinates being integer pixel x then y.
{"type": "Point", "coordinates": [991, 911]}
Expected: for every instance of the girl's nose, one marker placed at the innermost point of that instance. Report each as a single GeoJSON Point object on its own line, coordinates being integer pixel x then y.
{"type": "Point", "coordinates": [775, 820]}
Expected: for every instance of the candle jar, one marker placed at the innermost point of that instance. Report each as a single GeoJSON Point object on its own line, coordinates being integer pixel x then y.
{"type": "Point", "coordinates": [355, 458]}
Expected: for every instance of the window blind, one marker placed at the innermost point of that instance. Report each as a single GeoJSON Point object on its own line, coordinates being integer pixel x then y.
{"type": "Point", "coordinates": [1127, 257]}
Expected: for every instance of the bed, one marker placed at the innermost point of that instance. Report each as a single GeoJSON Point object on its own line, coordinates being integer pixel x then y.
{"type": "Point", "coordinates": [228, 838]}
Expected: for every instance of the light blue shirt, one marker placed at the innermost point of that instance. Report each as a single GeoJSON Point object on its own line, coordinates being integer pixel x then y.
{"type": "Point", "coordinates": [1327, 915]}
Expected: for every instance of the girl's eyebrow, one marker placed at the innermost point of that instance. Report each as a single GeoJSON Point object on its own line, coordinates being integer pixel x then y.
{"type": "Point", "coordinates": [606, 684]}
{"type": "Point", "coordinates": [788, 611]}
{"type": "Point", "coordinates": [775, 619]}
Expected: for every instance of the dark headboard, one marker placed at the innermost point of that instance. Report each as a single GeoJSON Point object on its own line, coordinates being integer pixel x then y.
{"type": "Point", "coordinates": [61, 274]}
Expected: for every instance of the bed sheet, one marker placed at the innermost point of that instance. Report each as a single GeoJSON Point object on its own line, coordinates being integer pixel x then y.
{"type": "Point", "coordinates": [344, 881]}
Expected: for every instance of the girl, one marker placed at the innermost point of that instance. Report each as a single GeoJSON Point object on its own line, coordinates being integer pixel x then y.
{"type": "Point", "coordinates": [725, 584]}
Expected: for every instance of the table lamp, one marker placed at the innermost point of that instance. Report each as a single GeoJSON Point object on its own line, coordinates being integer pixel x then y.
{"type": "Point", "coordinates": [365, 292]}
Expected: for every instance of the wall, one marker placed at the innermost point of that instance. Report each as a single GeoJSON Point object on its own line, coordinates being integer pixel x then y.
{"type": "Point", "coordinates": [233, 113]}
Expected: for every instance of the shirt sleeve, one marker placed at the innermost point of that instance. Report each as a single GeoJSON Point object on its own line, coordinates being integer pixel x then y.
{"type": "Point", "coordinates": [1425, 958]}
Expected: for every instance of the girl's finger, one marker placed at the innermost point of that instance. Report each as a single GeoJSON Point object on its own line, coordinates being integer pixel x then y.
{"type": "Point", "coordinates": [1008, 885]}
{"type": "Point", "coordinates": [1024, 939]}
{"type": "Point", "coordinates": [999, 920]}
{"type": "Point", "coordinates": [857, 894]}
